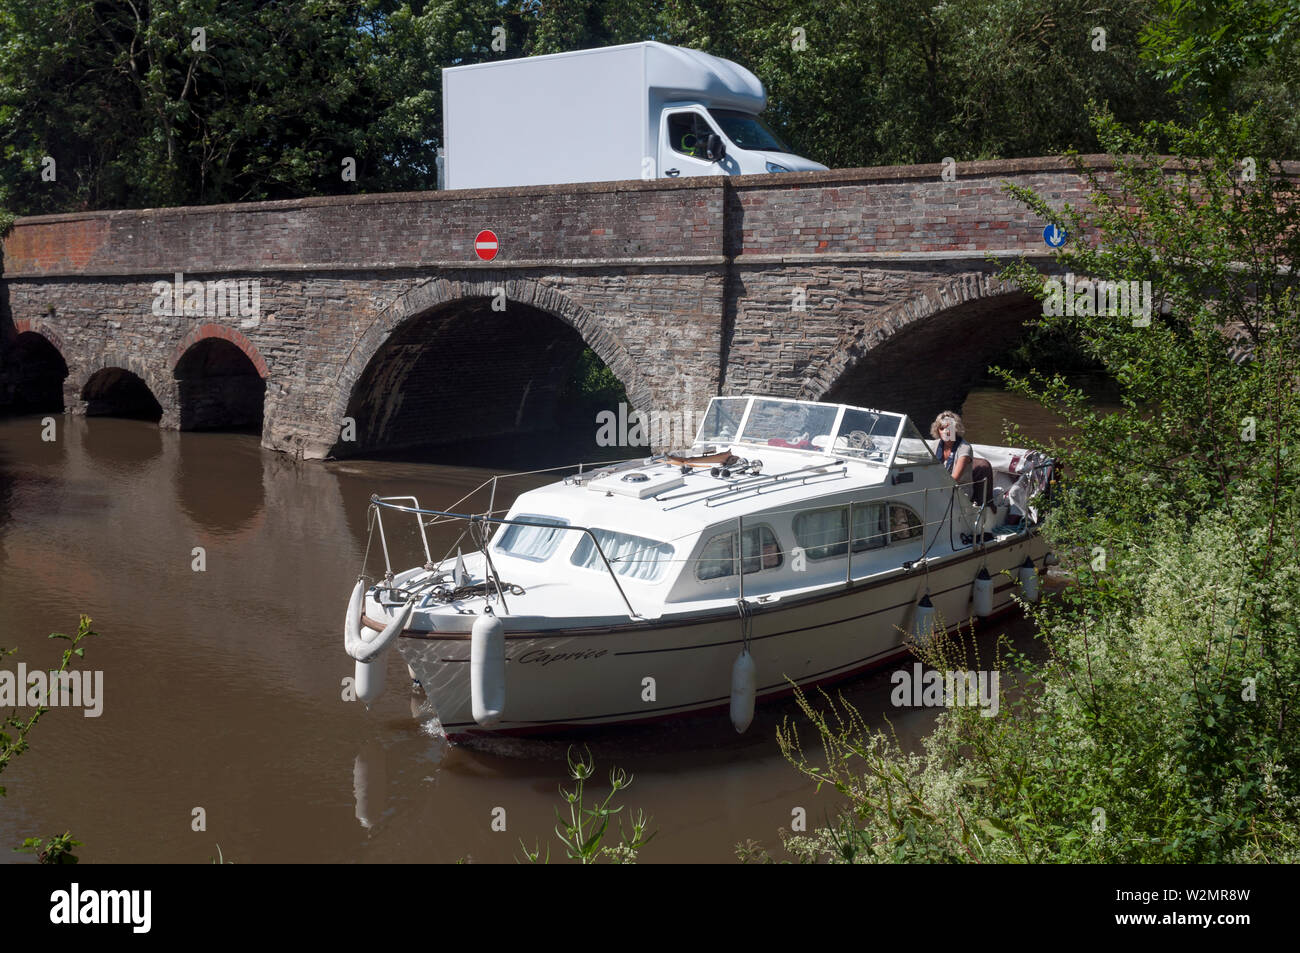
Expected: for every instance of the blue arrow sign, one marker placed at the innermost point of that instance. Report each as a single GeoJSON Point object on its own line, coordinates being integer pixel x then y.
{"type": "Point", "coordinates": [1054, 236]}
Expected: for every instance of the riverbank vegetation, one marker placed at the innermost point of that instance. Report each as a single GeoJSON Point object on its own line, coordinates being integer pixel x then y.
{"type": "Point", "coordinates": [1162, 726]}
{"type": "Point", "coordinates": [56, 849]}
{"type": "Point", "coordinates": [583, 831]}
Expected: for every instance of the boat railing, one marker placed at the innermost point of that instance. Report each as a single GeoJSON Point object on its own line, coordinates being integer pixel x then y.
{"type": "Point", "coordinates": [481, 521]}
{"type": "Point", "coordinates": [584, 468]}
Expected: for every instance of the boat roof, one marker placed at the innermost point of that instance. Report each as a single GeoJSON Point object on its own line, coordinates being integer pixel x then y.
{"type": "Point", "coordinates": [789, 453]}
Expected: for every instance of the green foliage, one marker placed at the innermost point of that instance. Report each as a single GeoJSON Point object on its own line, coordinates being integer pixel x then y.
{"type": "Point", "coordinates": [58, 849]}
{"type": "Point", "coordinates": [592, 384]}
{"type": "Point", "coordinates": [1162, 726]}
{"type": "Point", "coordinates": [1205, 46]}
{"type": "Point", "coordinates": [135, 116]}
{"type": "Point", "coordinates": [1204, 428]}
{"type": "Point", "coordinates": [583, 832]}
{"type": "Point", "coordinates": [1163, 733]}
{"type": "Point", "coordinates": [11, 746]}
{"type": "Point", "coordinates": [906, 81]}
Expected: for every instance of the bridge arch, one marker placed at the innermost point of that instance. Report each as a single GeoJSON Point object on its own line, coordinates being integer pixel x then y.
{"type": "Point", "coordinates": [34, 379]}
{"type": "Point", "coordinates": [122, 385]}
{"type": "Point", "coordinates": [443, 349]}
{"type": "Point", "coordinates": [220, 380]}
{"type": "Point", "coordinates": [925, 353]}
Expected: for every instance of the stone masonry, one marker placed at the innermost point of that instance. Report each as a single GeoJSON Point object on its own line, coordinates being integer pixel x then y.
{"type": "Point", "coordinates": [875, 286]}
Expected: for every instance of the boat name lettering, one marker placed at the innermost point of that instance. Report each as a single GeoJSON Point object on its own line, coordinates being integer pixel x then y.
{"type": "Point", "coordinates": [546, 658]}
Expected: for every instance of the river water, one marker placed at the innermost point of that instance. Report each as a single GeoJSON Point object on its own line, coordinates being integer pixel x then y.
{"type": "Point", "coordinates": [223, 723]}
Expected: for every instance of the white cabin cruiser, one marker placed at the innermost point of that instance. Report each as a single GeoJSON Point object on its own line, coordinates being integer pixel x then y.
{"type": "Point", "coordinates": [795, 542]}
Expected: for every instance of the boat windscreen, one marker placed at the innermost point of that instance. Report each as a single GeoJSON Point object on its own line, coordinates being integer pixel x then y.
{"type": "Point", "coordinates": [912, 447]}
{"type": "Point", "coordinates": [790, 424]}
{"type": "Point", "coordinates": [867, 434]}
{"type": "Point", "coordinates": [722, 420]}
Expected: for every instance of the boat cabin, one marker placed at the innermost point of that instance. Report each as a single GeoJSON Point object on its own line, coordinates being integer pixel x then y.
{"type": "Point", "coordinates": [775, 497]}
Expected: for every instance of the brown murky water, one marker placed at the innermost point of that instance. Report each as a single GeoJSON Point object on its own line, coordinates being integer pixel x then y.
{"type": "Point", "coordinates": [222, 687]}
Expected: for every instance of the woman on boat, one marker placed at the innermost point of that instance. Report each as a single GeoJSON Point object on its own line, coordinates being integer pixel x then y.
{"type": "Point", "coordinates": [953, 450]}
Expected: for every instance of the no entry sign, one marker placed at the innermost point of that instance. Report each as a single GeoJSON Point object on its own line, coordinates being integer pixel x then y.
{"type": "Point", "coordinates": [485, 244]}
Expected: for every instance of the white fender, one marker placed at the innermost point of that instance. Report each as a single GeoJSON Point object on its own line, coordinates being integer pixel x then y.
{"type": "Point", "coordinates": [352, 624]}
{"type": "Point", "coordinates": [743, 679]}
{"type": "Point", "coordinates": [1029, 580]}
{"type": "Point", "coordinates": [487, 670]}
{"type": "Point", "coordinates": [923, 621]}
{"type": "Point", "coordinates": [982, 597]}
{"type": "Point", "coordinates": [366, 647]}
{"type": "Point", "coordinates": [368, 680]}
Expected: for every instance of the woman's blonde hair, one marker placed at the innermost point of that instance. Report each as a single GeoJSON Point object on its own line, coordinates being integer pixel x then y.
{"type": "Point", "coordinates": [957, 425]}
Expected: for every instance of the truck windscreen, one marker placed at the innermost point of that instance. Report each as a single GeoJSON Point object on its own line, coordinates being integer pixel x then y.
{"type": "Point", "coordinates": [747, 131]}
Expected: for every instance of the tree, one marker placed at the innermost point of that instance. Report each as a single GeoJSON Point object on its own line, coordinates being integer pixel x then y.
{"type": "Point", "coordinates": [168, 103]}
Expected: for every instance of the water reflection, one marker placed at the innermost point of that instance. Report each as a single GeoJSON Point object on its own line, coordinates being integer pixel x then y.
{"type": "Point", "coordinates": [118, 447]}
{"type": "Point", "coordinates": [370, 783]}
{"type": "Point", "coordinates": [219, 481]}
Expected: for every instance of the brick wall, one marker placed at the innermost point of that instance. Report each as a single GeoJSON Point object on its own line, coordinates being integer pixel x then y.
{"type": "Point", "coordinates": [682, 287]}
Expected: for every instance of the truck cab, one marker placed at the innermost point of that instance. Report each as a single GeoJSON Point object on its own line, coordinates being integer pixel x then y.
{"type": "Point", "coordinates": [698, 140]}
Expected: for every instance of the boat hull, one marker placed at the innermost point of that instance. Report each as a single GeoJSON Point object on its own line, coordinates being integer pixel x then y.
{"type": "Point", "coordinates": [650, 670]}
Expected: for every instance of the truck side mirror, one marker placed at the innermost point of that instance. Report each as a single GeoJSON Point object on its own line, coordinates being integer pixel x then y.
{"type": "Point", "coordinates": [714, 148]}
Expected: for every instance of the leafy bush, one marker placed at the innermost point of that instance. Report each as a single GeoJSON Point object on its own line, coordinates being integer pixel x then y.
{"type": "Point", "coordinates": [1160, 733]}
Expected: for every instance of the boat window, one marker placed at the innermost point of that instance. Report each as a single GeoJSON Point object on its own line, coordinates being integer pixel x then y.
{"type": "Point", "coordinates": [535, 542]}
{"type": "Point", "coordinates": [722, 419]}
{"type": "Point", "coordinates": [903, 523]}
{"type": "Point", "coordinates": [824, 533]}
{"type": "Point", "coordinates": [633, 556]}
{"type": "Point", "coordinates": [913, 448]}
{"type": "Point", "coordinates": [783, 423]}
{"type": "Point", "coordinates": [868, 434]}
{"type": "Point", "coordinates": [868, 526]}
{"type": "Point", "coordinates": [718, 558]}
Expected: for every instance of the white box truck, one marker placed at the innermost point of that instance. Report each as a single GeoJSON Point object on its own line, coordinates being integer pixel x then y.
{"type": "Point", "coordinates": [638, 111]}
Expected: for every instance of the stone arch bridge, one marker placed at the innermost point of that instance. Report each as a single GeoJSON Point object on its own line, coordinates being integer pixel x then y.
{"type": "Point", "coordinates": [873, 286]}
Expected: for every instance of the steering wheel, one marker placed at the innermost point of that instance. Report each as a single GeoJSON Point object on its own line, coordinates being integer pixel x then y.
{"type": "Point", "coordinates": [861, 440]}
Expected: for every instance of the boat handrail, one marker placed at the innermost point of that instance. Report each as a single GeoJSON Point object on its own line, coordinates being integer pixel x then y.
{"type": "Point", "coordinates": [580, 467]}
{"type": "Point", "coordinates": [735, 489]}
{"type": "Point", "coordinates": [478, 518]}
